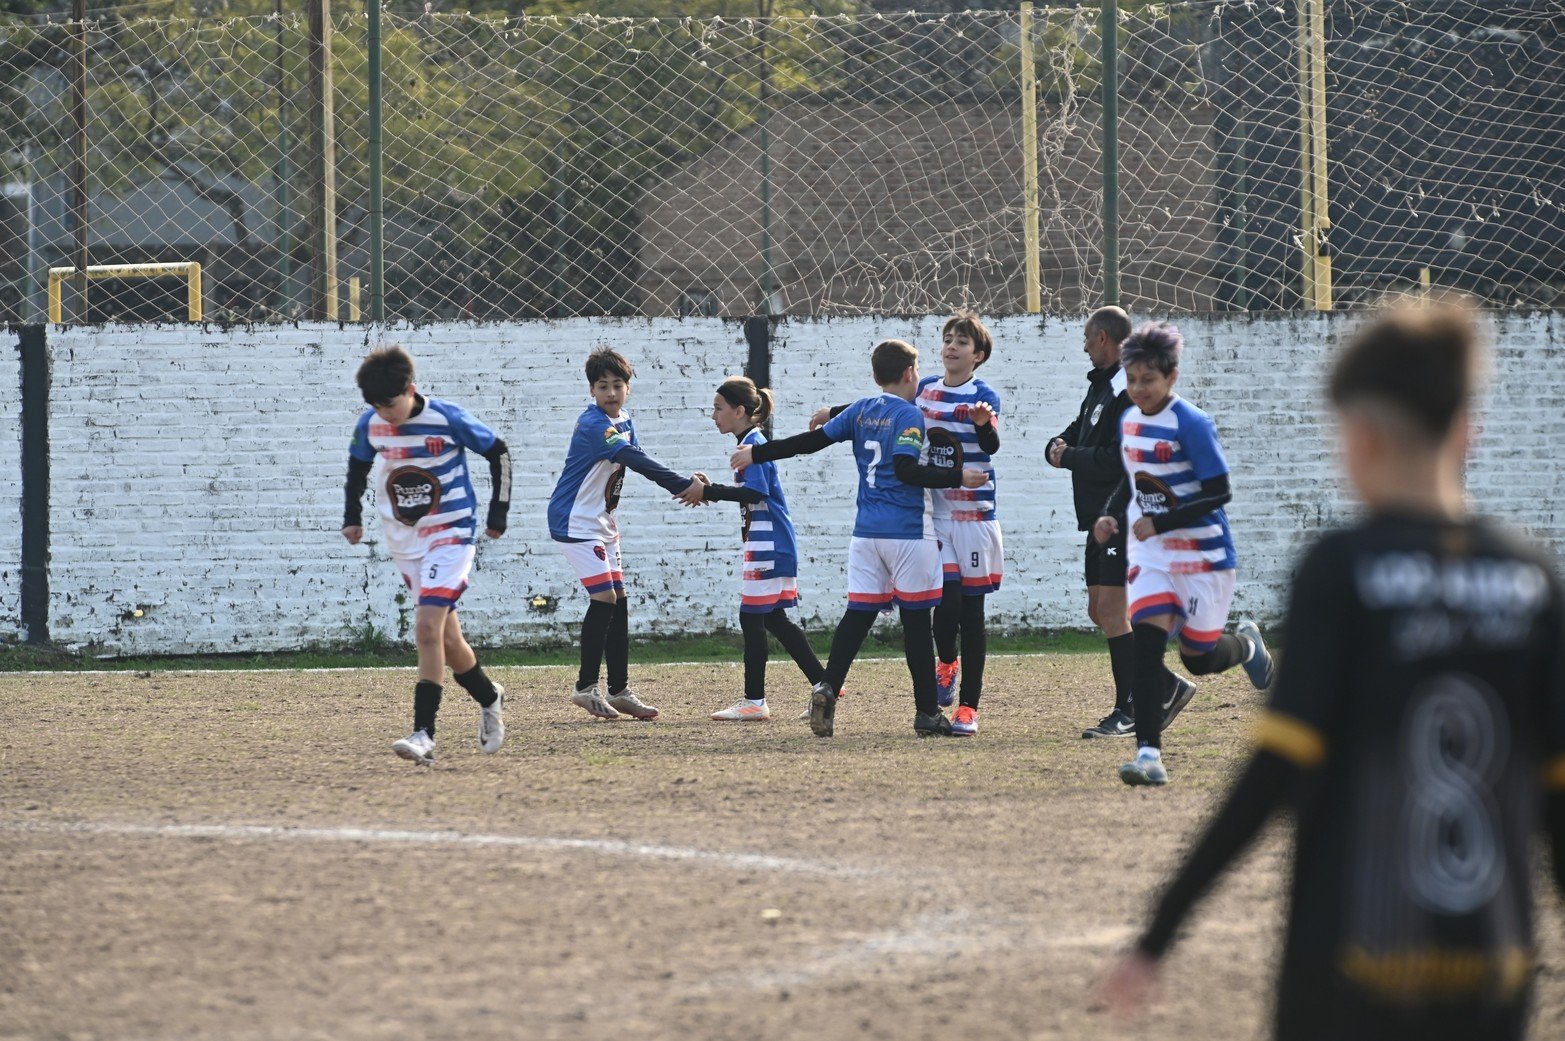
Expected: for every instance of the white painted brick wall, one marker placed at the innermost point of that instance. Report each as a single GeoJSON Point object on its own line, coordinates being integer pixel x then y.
{"type": "Point", "coordinates": [11, 488]}
{"type": "Point", "coordinates": [197, 473]}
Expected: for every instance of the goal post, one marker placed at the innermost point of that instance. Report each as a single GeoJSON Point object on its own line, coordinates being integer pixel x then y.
{"type": "Point", "coordinates": [190, 271]}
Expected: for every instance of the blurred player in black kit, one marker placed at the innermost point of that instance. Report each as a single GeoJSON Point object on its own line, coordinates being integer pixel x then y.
{"type": "Point", "coordinates": [1416, 728]}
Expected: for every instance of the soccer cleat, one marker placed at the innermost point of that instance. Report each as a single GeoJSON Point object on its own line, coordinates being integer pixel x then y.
{"type": "Point", "coordinates": [593, 702]}
{"type": "Point", "coordinates": [1184, 690]}
{"type": "Point", "coordinates": [627, 704]}
{"type": "Point", "coordinates": [417, 747]}
{"type": "Point", "coordinates": [491, 723]}
{"type": "Point", "coordinates": [945, 682]}
{"type": "Point", "coordinates": [965, 722]}
{"type": "Point", "coordinates": [1146, 769]}
{"type": "Point", "coordinates": [1259, 665]}
{"type": "Point", "coordinates": [936, 725]}
{"type": "Point", "coordinates": [1115, 724]}
{"type": "Point", "coordinates": [746, 711]}
{"type": "Point", "coordinates": [823, 709]}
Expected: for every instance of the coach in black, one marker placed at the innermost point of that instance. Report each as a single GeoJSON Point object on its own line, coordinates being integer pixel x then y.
{"type": "Point", "coordinates": [1089, 449]}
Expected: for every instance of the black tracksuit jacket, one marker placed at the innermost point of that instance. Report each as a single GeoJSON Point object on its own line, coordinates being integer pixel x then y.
{"type": "Point", "coordinates": [1093, 437]}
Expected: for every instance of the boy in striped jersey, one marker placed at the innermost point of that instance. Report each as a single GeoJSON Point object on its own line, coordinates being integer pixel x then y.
{"type": "Point", "coordinates": [961, 417]}
{"type": "Point", "coordinates": [582, 524]}
{"type": "Point", "coordinates": [1181, 551]}
{"type": "Point", "coordinates": [428, 518]}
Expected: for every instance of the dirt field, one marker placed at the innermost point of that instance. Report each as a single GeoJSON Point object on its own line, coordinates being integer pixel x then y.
{"type": "Point", "coordinates": [240, 856]}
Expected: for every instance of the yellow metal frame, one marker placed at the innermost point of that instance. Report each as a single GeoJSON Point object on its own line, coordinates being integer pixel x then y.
{"type": "Point", "coordinates": [1315, 222]}
{"type": "Point", "coordinates": [190, 271]}
{"type": "Point", "coordinates": [1030, 211]}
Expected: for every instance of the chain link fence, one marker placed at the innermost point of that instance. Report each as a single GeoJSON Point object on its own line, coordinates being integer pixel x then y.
{"type": "Point", "coordinates": [813, 165]}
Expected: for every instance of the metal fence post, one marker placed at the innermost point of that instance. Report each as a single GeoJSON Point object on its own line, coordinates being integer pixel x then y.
{"type": "Point", "coordinates": [376, 186]}
{"type": "Point", "coordinates": [1030, 164]}
{"type": "Point", "coordinates": [78, 311]}
{"type": "Point", "coordinates": [35, 482]}
{"type": "Point", "coordinates": [1110, 32]}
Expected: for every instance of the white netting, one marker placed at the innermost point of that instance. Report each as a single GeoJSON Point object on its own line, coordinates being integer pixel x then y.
{"type": "Point", "coordinates": [835, 164]}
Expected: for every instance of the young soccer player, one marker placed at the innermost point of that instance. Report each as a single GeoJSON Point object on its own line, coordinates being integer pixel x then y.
{"type": "Point", "coordinates": [418, 448]}
{"type": "Point", "coordinates": [769, 586]}
{"type": "Point", "coordinates": [582, 524]}
{"type": "Point", "coordinates": [1181, 552]}
{"type": "Point", "coordinates": [892, 558]}
{"type": "Point", "coordinates": [1417, 723]}
{"type": "Point", "coordinates": [961, 418]}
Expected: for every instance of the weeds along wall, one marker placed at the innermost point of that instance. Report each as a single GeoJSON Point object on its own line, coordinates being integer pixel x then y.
{"type": "Point", "coordinates": [196, 474]}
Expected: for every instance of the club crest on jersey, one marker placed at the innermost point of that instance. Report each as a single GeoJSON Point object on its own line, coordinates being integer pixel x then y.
{"type": "Point", "coordinates": [961, 413]}
{"type": "Point", "coordinates": [945, 451]}
{"type": "Point", "coordinates": [602, 554]}
{"type": "Point", "coordinates": [1154, 496]}
{"type": "Point", "coordinates": [413, 492]}
{"type": "Point", "coordinates": [1163, 452]}
{"type": "Point", "coordinates": [1097, 413]}
{"type": "Point", "coordinates": [1130, 576]}
{"type": "Point", "coordinates": [912, 437]}
{"type": "Point", "coordinates": [435, 445]}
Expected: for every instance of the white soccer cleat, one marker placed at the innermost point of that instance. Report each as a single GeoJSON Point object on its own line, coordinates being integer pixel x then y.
{"type": "Point", "coordinates": [417, 747]}
{"type": "Point", "coordinates": [491, 724]}
{"type": "Point", "coordinates": [627, 704]}
{"type": "Point", "coordinates": [594, 703]}
{"type": "Point", "coordinates": [746, 711]}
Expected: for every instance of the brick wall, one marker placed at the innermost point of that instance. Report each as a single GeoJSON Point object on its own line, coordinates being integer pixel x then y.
{"type": "Point", "coordinates": [197, 474]}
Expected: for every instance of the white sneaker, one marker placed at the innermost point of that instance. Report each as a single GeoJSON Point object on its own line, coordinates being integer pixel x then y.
{"type": "Point", "coordinates": [805, 715]}
{"type": "Point", "coordinates": [491, 724]}
{"type": "Point", "coordinates": [593, 702]}
{"type": "Point", "coordinates": [746, 711]}
{"type": "Point", "coordinates": [417, 747]}
{"type": "Point", "coordinates": [1146, 769]}
{"type": "Point", "coordinates": [627, 704]}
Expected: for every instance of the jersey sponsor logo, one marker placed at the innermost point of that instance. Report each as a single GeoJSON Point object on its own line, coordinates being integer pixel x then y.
{"type": "Point", "coordinates": [945, 451]}
{"type": "Point", "coordinates": [435, 445]}
{"type": "Point", "coordinates": [1163, 452]}
{"type": "Point", "coordinates": [413, 492]}
{"type": "Point", "coordinates": [614, 436]}
{"type": "Point", "coordinates": [1153, 495]}
{"type": "Point", "coordinates": [612, 489]}
{"type": "Point", "coordinates": [912, 437]}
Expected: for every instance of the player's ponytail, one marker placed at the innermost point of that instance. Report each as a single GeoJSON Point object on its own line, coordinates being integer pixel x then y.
{"type": "Point", "coordinates": [741, 392]}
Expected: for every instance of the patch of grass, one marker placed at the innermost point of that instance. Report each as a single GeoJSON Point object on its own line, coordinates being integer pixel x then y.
{"type": "Point", "coordinates": [375, 650]}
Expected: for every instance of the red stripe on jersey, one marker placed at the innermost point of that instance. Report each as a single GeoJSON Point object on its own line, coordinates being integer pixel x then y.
{"type": "Point", "coordinates": [788, 597]}
{"type": "Point", "coordinates": [981, 580]}
{"type": "Point", "coordinates": [869, 598]}
{"type": "Point", "coordinates": [1156, 600]}
{"type": "Point", "coordinates": [969, 515]}
{"type": "Point", "coordinates": [1201, 640]}
{"type": "Point", "coordinates": [924, 598]}
{"type": "Point", "coordinates": [1190, 567]}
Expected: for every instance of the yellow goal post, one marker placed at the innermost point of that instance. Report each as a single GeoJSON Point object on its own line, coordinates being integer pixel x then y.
{"type": "Point", "coordinates": [190, 271]}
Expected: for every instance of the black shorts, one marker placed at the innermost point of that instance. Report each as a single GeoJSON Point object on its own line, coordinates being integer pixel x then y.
{"type": "Point", "coordinates": [1106, 562]}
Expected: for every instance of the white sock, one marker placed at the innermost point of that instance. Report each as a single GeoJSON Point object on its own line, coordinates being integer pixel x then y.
{"type": "Point", "coordinates": [1148, 752]}
{"type": "Point", "coordinates": [758, 702]}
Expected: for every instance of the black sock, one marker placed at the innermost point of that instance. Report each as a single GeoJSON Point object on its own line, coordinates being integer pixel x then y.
{"type": "Point", "coordinates": [845, 644]}
{"type": "Point", "coordinates": [949, 620]}
{"type": "Point", "coordinates": [756, 651]}
{"type": "Point", "coordinates": [918, 643]}
{"type": "Point", "coordinates": [975, 649]}
{"type": "Point", "coordinates": [481, 687]}
{"type": "Point", "coordinates": [617, 648]}
{"type": "Point", "coordinates": [1230, 651]}
{"type": "Point", "coordinates": [426, 702]}
{"type": "Point", "coordinates": [1150, 686]}
{"type": "Point", "coordinates": [796, 644]}
{"type": "Point", "coordinates": [1122, 660]}
{"type": "Point", "coordinates": [594, 634]}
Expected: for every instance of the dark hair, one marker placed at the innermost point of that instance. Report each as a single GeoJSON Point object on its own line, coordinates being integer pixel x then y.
{"type": "Point", "coordinates": [890, 360]}
{"type": "Point", "coordinates": [1156, 344]}
{"type": "Point", "coordinates": [1422, 362]}
{"type": "Point", "coordinates": [606, 361]}
{"type": "Point", "coordinates": [385, 374]}
{"type": "Point", "coordinates": [741, 392]}
{"type": "Point", "coordinates": [967, 323]}
{"type": "Point", "coordinates": [1112, 321]}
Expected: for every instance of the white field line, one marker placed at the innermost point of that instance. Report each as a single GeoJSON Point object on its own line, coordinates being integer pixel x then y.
{"type": "Point", "coordinates": [408, 668]}
{"type": "Point", "coordinates": [390, 836]}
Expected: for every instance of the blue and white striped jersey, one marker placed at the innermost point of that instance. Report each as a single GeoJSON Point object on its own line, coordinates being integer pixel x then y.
{"type": "Point", "coordinates": [421, 479]}
{"type": "Point", "coordinates": [947, 408]}
{"type": "Point", "coordinates": [582, 506]}
{"type": "Point", "coordinates": [1167, 456]}
{"type": "Point", "coordinates": [770, 549]}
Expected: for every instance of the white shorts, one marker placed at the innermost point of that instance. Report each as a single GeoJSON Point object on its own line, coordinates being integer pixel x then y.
{"type": "Point", "coordinates": [1200, 600]}
{"type": "Point", "coordinates": [971, 553]}
{"type": "Point", "coordinates": [887, 572]}
{"type": "Point", "coordinates": [439, 577]}
{"type": "Point", "coordinates": [596, 563]}
{"type": "Point", "coordinates": [764, 595]}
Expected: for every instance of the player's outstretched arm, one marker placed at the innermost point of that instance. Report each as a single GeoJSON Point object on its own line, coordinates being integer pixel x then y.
{"type": "Point", "coordinates": [921, 475]}
{"type": "Point", "coordinates": [807, 443]}
{"type": "Point", "coordinates": [499, 457]}
{"type": "Point", "coordinates": [353, 507]}
{"type": "Point", "coordinates": [732, 493]}
{"type": "Point", "coordinates": [633, 458]}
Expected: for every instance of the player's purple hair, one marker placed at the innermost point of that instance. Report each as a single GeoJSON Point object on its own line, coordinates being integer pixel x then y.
{"type": "Point", "coordinates": [1157, 344]}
